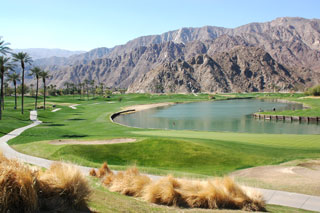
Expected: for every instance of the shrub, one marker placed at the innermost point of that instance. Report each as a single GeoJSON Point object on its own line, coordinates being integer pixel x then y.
{"type": "Point", "coordinates": [211, 194]}
{"type": "Point", "coordinates": [17, 187]}
{"type": "Point", "coordinates": [315, 91]}
{"type": "Point", "coordinates": [23, 189]}
{"type": "Point", "coordinates": [211, 97]}
{"type": "Point", "coordinates": [63, 187]}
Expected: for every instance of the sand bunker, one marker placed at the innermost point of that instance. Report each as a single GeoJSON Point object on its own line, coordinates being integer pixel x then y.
{"type": "Point", "coordinates": [58, 103]}
{"type": "Point", "coordinates": [147, 106]}
{"type": "Point", "coordinates": [100, 142]}
{"type": "Point", "coordinates": [311, 97]}
{"type": "Point", "coordinates": [287, 176]}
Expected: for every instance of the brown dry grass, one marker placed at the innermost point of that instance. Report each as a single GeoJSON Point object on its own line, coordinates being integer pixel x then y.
{"type": "Point", "coordinates": [101, 172]}
{"type": "Point", "coordinates": [24, 189]}
{"type": "Point", "coordinates": [221, 193]}
{"type": "Point", "coordinates": [17, 187]}
{"type": "Point", "coordinates": [93, 173]}
{"type": "Point", "coordinates": [63, 187]}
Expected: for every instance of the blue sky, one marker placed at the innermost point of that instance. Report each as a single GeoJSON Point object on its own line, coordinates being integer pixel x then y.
{"type": "Point", "coordinates": [87, 24]}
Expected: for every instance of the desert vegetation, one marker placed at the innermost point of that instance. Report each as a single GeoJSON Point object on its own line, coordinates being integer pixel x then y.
{"type": "Point", "coordinates": [315, 91]}
{"type": "Point", "coordinates": [60, 188]}
{"type": "Point", "coordinates": [221, 193]}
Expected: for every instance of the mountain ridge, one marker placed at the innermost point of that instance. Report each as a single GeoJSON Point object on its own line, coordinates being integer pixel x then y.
{"type": "Point", "coordinates": [292, 42]}
{"type": "Point", "coordinates": [38, 53]}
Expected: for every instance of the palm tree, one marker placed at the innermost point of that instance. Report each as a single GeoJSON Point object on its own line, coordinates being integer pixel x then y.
{"type": "Point", "coordinates": [67, 84]}
{"type": "Point", "coordinates": [36, 72]}
{"type": "Point", "coordinates": [23, 58]}
{"type": "Point", "coordinates": [92, 87]}
{"type": "Point", "coordinates": [87, 82]}
{"type": "Point", "coordinates": [72, 85]}
{"type": "Point", "coordinates": [14, 77]}
{"type": "Point", "coordinates": [4, 49]}
{"type": "Point", "coordinates": [101, 89]}
{"type": "Point", "coordinates": [5, 65]}
{"type": "Point", "coordinates": [44, 75]}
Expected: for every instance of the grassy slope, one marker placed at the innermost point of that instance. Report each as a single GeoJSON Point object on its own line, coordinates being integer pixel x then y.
{"type": "Point", "coordinates": [11, 118]}
{"type": "Point", "coordinates": [158, 151]}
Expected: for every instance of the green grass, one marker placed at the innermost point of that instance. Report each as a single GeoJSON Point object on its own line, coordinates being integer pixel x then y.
{"type": "Point", "coordinates": [182, 153]}
{"type": "Point", "coordinates": [11, 118]}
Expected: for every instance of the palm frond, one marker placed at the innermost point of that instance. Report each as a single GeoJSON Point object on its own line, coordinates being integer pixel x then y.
{"type": "Point", "coordinates": [22, 57]}
{"type": "Point", "coordinates": [4, 49]}
{"type": "Point", "coordinates": [5, 64]}
{"type": "Point", "coordinates": [35, 72]}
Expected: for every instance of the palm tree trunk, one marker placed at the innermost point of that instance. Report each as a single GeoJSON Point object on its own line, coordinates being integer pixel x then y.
{"type": "Point", "coordinates": [35, 106]}
{"type": "Point", "coordinates": [2, 96]}
{"type": "Point", "coordinates": [1, 103]}
{"type": "Point", "coordinates": [15, 95]}
{"type": "Point", "coordinates": [87, 93]}
{"type": "Point", "coordinates": [22, 87]}
{"type": "Point", "coordinates": [44, 95]}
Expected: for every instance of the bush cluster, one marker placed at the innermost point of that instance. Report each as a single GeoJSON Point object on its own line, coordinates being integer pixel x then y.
{"type": "Point", "coordinates": [315, 91]}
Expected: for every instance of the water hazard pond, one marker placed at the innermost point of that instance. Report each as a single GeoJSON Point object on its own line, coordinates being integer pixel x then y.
{"type": "Point", "coordinates": [228, 115]}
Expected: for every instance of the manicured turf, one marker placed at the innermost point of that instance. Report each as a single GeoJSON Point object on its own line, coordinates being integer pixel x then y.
{"type": "Point", "coordinates": [11, 118]}
{"type": "Point", "coordinates": [157, 151]}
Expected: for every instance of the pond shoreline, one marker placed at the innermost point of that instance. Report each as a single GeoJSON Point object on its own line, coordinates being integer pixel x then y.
{"type": "Point", "coordinates": [141, 107]}
{"type": "Point", "coordinates": [171, 125]}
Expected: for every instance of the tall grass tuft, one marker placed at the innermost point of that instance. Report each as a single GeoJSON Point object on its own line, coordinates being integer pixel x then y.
{"type": "Point", "coordinates": [17, 187]}
{"type": "Point", "coordinates": [130, 182]}
{"type": "Point", "coordinates": [221, 193]}
{"type": "Point", "coordinates": [101, 172]}
{"type": "Point", "coordinates": [58, 189]}
{"type": "Point", "coordinates": [63, 187]}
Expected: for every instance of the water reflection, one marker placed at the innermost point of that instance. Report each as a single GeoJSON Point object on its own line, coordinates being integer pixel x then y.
{"type": "Point", "coordinates": [230, 115]}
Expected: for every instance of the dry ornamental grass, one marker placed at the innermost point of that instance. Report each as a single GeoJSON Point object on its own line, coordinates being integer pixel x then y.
{"type": "Point", "coordinates": [221, 193]}
{"type": "Point", "coordinates": [60, 188]}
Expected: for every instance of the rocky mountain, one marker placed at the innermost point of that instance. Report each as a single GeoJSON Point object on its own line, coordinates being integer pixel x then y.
{"type": "Point", "coordinates": [37, 53]}
{"type": "Point", "coordinates": [293, 44]}
{"type": "Point", "coordinates": [246, 69]}
{"type": "Point", "coordinates": [55, 61]}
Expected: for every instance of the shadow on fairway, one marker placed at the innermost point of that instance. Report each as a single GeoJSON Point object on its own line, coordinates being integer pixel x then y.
{"type": "Point", "coordinates": [55, 125]}
{"type": "Point", "coordinates": [76, 119]}
{"type": "Point", "coordinates": [74, 136]}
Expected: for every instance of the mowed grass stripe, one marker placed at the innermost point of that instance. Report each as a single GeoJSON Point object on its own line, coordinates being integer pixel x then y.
{"type": "Point", "coordinates": [272, 140]}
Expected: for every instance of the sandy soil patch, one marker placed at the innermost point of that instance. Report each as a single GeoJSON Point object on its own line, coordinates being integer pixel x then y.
{"type": "Point", "coordinates": [61, 104]}
{"type": "Point", "coordinates": [312, 97]}
{"type": "Point", "coordinates": [55, 110]}
{"type": "Point", "coordinates": [74, 106]}
{"type": "Point", "coordinates": [100, 142]}
{"type": "Point", "coordinates": [303, 177]}
{"type": "Point", "coordinates": [147, 106]}
{"type": "Point", "coordinates": [231, 96]}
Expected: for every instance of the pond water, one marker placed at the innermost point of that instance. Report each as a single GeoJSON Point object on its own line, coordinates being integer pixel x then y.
{"type": "Point", "coordinates": [228, 115]}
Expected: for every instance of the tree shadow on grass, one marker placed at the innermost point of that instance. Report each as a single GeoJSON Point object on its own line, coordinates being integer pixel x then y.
{"type": "Point", "coordinates": [74, 136]}
{"type": "Point", "coordinates": [76, 119]}
{"type": "Point", "coordinates": [20, 119]}
{"type": "Point", "coordinates": [55, 125]}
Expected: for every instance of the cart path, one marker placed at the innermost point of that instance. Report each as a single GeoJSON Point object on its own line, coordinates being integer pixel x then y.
{"type": "Point", "coordinates": [276, 197]}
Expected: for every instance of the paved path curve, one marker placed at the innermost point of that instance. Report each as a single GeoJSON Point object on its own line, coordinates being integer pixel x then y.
{"type": "Point", "coordinates": [281, 198]}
